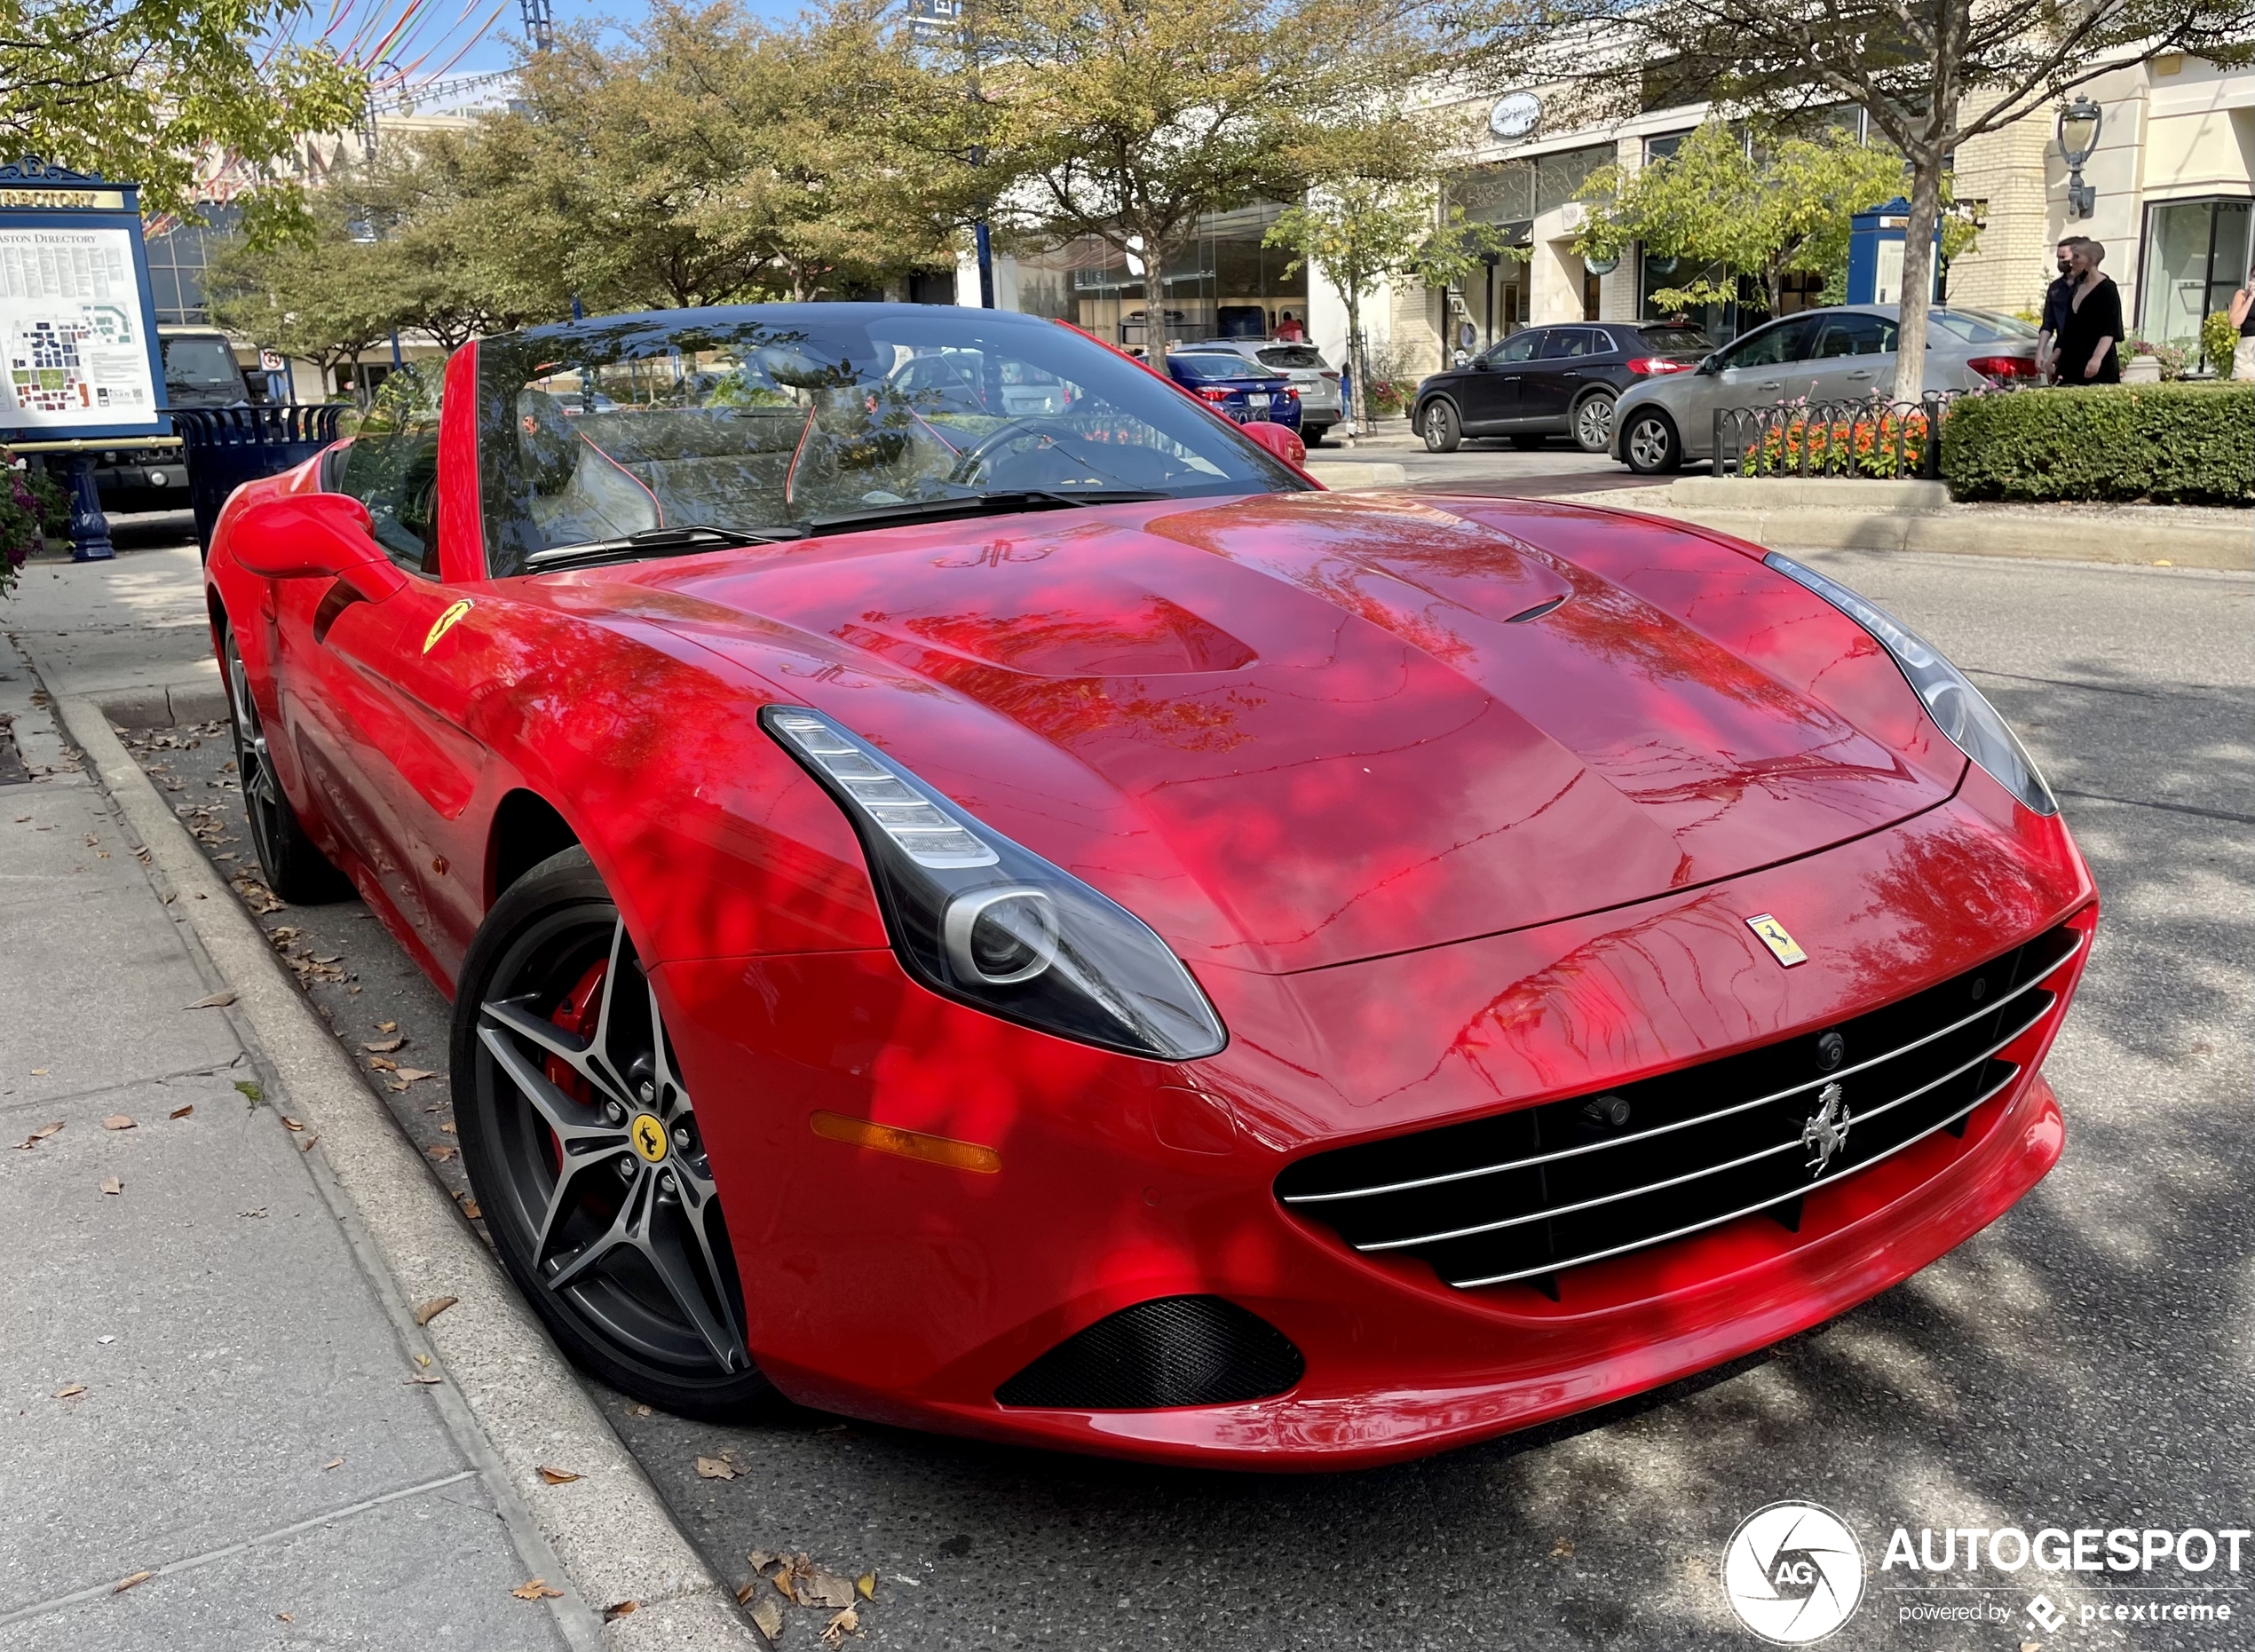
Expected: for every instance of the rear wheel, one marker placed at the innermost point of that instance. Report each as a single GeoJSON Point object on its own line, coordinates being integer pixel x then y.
{"type": "Point", "coordinates": [583, 1148]}
{"type": "Point", "coordinates": [1313, 434]}
{"type": "Point", "coordinates": [1439, 426]}
{"type": "Point", "coordinates": [1650, 444]}
{"type": "Point", "coordinates": [1593, 422]}
{"type": "Point", "coordinates": [295, 868]}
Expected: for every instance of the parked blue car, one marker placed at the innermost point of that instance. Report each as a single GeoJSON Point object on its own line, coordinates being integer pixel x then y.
{"type": "Point", "coordinates": [1235, 388]}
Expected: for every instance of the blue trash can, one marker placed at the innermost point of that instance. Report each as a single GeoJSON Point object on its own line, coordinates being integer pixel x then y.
{"type": "Point", "coordinates": [226, 446]}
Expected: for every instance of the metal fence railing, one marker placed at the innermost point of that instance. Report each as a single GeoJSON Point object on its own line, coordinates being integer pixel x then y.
{"type": "Point", "coordinates": [1884, 440]}
{"type": "Point", "coordinates": [226, 446]}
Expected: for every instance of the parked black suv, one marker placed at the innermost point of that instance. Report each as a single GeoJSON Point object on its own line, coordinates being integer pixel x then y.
{"type": "Point", "coordinates": [1559, 379]}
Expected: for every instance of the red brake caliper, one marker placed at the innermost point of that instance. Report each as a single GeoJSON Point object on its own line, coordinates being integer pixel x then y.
{"type": "Point", "coordinates": [576, 1015]}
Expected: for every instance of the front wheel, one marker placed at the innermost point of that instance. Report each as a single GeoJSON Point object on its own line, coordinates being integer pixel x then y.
{"type": "Point", "coordinates": [1650, 444]}
{"type": "Point", "coordinates": [584, 1150]}
{"type": "Point", "coordinates": [1439, 426]}
{"type": "Point", "coordinates": [1593, 423]}
{"type": "Point", "coordinates": [294, 867]}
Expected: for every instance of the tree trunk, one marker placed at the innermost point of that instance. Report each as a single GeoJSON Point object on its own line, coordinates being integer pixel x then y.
{"type": "Point", "coordinates": [1358, 421]}
{"type": "Point", "coordinates": [1917, 273]}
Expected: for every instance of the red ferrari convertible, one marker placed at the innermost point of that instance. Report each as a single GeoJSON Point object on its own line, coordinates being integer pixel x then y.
{"type": "Point", "coordinates": [977, 895]}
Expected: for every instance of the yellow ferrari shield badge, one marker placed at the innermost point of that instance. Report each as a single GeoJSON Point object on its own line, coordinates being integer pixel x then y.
{"type": "Point", "coordinates": [1778, 939]}
{"type": "Point", "coordinates": [443, 624]}
{"type": "Point", "coordinates": [649, 1137]}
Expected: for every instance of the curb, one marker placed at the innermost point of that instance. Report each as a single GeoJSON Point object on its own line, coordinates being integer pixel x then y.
{"type": "Point", "coordinates": [1962, 532]}
{"type": "Point", "coordinates": [613, 1534]}
{"type": "Point", "coordinates": [1346, 476]}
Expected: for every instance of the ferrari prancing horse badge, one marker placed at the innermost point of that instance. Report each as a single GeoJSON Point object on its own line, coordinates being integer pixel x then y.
{"type": "Point", "coordinates": [1775, 937]}
{"type": "Point", "coordinates": [443, 624]}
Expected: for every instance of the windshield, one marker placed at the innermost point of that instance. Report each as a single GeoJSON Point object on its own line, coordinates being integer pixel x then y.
{"type": "Point", "coordinates": [200, 363]}
{"type": "Point", "coordinates": [767, 419]}
{"type": "Point", "coordinates": [1686, 339]}
{"type": "Point", "coordinates": [1303, 356]}
{"type": "Point", "coordinates": [1983, 327]}
{"type": "Point", "coordinates": [1215, 367]}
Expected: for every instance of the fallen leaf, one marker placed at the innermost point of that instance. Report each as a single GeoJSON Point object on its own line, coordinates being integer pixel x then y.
{"type": "Point", "coordinates": [865, 1585]}
{"type": "Point", "coordinates": [782, 1581]}
{"type": "Point", "coordinates": [181, 1112]}
{"type": "Point", "coordinates": [556, 1477]}
{"type": "Point", "coordinates": [290, 1123]}
{"type": "Point", "coordinates": [72, 1392]}
{"type": "Point", "coordinates": [123, 1584]}
{"type": "Point", "coordinates": [394, 1086]}
{"type": "Point", "coordinates": [39, 1135]}
{"type": "Point", "coordinates": [387, 1026]}
{"type": "Point", "coordinates": [714, 1468]}
{"type": "Point", "coordinates": [469, 1209]}
{"type": "Point", "coordinates": [426, 1383]}
{"type": "Point", "coordinates": [118, 1121]}
{"type": "Point", "coordinates": [846, 1623]}
{"type": "Point", "coordinates": [1563, 1550]}
{"type": "Point", "coordinates": [441, 1152]}
{"type": "Point", "coordinates": [334, 1462]}
{"type": "Point", "coordinates": [412, 1074]}
{"type": "Point", "coordinates": [449, 1126]}
{"type": "Point", "coordinates": [306, 1146]}
{"type": "Point", "coordinates": [618, 1609]}
{"type": "Point", "coordinates": [536, 1589]}
{"type": "Point", "coordinates": [425, 1312]}
{"type": "Point", "coordinates": [744, 1592]}
{"type": "Point", "coordinates": [767, 1617]}
{"type": "Point", "coordinates": [761, 1560]}
{"type": "Point", "coordinates": [217, 1001]}
{"type": "Point", "coordinates": [384, 1064]}
{"type": "Point", "coordinates": [423, 1360]}
{"type": "Point", "coordinates": [383, 1047]}
{"type": "Point", "coordinates": [111, 1184]}
{"type": "Point", "coordinates": [638, 1410]}
{"type": "Point", "coordinates": [284, 1617]}
{"type": "Point", "coordinates": [823, 1588]}
{"type": "Point", "coordinates": [249, 1092]}
{"type": "Point", "coordinates": [39, 1072]}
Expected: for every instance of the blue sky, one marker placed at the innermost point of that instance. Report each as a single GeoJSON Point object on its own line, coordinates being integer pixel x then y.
{"type": "Point", "coordinates": [496, 49]}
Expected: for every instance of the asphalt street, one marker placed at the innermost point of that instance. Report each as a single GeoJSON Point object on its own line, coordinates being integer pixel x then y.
{"type": "Point", "coordinates": [2084, 1363]}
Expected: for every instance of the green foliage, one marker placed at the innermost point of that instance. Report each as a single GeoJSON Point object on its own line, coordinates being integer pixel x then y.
{"type": "Point", "coordinates": [144, 90]}
{"type": "Point", "coordinates": [2173, 444]}
{"type": "Point", "coordinates": [24, 518]}
{"type": "Point", "coordinates": [323, 299]}
{"type": "Point", "coordinates": [2218, 339]}
{"type": "Point", "coordinates": [1783, 208]}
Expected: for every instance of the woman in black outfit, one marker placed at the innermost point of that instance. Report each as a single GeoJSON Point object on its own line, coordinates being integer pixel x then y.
{"type": "Point", "coordinates": [2089, 351]}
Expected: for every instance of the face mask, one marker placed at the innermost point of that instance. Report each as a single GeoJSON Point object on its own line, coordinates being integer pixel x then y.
{"type": "Point", "coordinates": [2067, 266]}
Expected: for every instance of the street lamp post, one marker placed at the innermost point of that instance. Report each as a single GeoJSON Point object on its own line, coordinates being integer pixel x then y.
{"type": "Point", "coordinates": [2078, 137]}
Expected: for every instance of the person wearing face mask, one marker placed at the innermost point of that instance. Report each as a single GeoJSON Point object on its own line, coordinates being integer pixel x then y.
{"type": "Point", "coordinates": [2091, 332]}
{"type": "Point", "coordinates": [2056, 311]}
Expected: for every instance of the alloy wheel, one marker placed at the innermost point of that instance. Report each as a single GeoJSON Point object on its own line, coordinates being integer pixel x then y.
{"type": "Point", "coordinates": [261, 796]}
{"type": "Point", "coordinates": [1593, 424]}
{"type": "Point", "coordinates": [1651, 445]}
{"type": "Point", "coordinates": [602, 1168]}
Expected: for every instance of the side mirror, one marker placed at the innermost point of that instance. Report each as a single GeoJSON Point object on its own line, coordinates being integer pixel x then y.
{"type": "Point", "coordinates": [1284, 444]}
{"type": "Point", "coordinates": [314, 536]}
{"type": "Point", "coordinates": [1708, 364]}
{"type": "Point", "coordinates": [1480, 364]}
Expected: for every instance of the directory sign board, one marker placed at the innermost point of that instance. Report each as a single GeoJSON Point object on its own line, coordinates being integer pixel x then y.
{"type": "Point", "coordinates": [78, 348]}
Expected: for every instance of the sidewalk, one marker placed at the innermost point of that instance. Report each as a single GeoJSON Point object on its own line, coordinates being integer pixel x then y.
{"type": "Point", "coordinates": [214, 1388]}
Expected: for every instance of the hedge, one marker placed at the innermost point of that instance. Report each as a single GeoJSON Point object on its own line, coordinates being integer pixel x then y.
{"type": "Point", "coordinates": [2173, 444]}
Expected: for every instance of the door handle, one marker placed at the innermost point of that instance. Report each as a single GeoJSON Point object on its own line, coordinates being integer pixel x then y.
{"type": "Point", "coordinates": [1866, 373]}
{"type": "Point", "coordinates": [1771, 383]}
{"type": "Point", "coordinates": [1569, 375]}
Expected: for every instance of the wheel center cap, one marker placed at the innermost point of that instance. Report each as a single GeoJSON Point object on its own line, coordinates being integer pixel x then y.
{"type": "Point", "coordinates": [648, 1135]}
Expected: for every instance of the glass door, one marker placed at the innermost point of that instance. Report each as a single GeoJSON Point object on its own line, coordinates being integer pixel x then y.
{"type": "Point", "coordinates": [2197, 252]}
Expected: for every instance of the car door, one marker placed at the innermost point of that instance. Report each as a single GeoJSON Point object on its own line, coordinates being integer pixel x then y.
{"type": "Point", "coordinates": [396, 776]}
{"type": "Point", "coordinates": [1488, 391]}
{"type": "Point", "coordinates": [1769, 365]}
{"type": "Point", "coordinates": [1558, 374]}
{"type": "Point", "coordinates": [1852, 357]}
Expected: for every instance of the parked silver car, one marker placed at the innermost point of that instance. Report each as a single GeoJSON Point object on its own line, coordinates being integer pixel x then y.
{"type": "Point", "coordinates": [1843, 353]}
{"type": "Point", "coordinates": [1321, 404]}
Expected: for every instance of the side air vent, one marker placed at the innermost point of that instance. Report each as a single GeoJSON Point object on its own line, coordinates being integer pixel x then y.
{"type": "Point", "coordinates": [1176, 1351]}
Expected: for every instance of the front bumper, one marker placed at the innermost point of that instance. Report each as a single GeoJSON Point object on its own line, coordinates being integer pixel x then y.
{"type": "Point", "coordinates": [904, 1292]}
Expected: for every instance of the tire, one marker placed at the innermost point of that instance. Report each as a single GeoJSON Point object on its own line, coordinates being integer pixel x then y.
{"type": "Point", "coordinates": [1440, 427]}
{"type": "Point", "coordinates": [293, 865]}
{"type": "Point", "coordinates": [1649, 444]}
{"type": "Point", "coordinates": [1530, 441]}
{"type": "Point", "coordinates": [1591, 423]}
{"type": "Point", "coordinates": [630, 1269]}
{"type": "Point", "coordinates": [1313, 434]}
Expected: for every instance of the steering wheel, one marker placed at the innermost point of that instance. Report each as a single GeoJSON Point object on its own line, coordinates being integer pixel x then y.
{"type": "Point", "coordinates": [1025, 425]}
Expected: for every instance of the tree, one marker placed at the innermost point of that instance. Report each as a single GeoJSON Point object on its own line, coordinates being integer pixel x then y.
{"type": "Point", "coordinates": [1361, 231]}
{"type": "Point", "coordinates": [1130, 120]}
{"type": "Point", "coordinates": [324, 297]}
{"type": "Point", "coordinates": [1930, 75]}
{"type": "Point", "coordinates": [1765, 208]}
{"type": "Point", "coordinates": [143, 89]}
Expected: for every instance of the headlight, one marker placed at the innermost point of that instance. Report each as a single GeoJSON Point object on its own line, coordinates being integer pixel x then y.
{"type": "Point", "coordinates": [1959, 708]}
{"type": "Point", "coordinates": [978, 918]}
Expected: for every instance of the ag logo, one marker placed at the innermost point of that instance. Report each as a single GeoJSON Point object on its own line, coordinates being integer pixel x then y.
{"type": "Point", "coordinates": [1777, 938]}
{"type": "Point", "coordinates": [445, 623]}
{"type": "Point", "coordinates": [1793, 1573]}
{"type": "Point", "coordinates": [648, 1136]}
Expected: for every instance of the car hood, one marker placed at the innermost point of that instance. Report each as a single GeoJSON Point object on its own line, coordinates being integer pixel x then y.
{"type": "Point", "coordinates": [1295, 731]}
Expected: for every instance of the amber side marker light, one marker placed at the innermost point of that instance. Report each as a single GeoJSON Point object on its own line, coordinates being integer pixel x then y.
{"type": "Point", "coordinates": [933, 1150]}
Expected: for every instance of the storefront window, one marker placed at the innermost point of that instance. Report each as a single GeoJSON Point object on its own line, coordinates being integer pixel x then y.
{"type": "Point", "coordinates": [177, 254]}
{"type": "Point", "coordinates": [2195, 253]}
{"type": "Point", "coordinates": [1226, 284]}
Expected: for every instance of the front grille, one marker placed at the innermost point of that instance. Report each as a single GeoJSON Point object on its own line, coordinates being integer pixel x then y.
{"type": "Point", "coordinates": [1174, 1350]}
{"type": "Point", "coordinates": [1523, 1195]}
